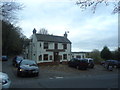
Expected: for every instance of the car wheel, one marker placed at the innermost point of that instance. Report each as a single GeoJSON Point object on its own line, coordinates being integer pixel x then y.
{"type": "Point", "coordinates": [37, 74]}
{"type": "Point", "coordinates": [92, 67]}
{"type": "Point", "coordinates": [18, 74]}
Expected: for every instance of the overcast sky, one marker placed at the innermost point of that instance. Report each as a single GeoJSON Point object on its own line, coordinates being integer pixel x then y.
{"type": "Point", "coordinates": [87, 31]}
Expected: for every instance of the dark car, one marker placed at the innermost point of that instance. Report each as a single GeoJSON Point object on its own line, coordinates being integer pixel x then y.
{"type": "Point", "coordinates": [102, 62]}
{"type": "Point", "coordinates": [113, 63]}
{"type": "Point", "coordinates": [78, 63]}
{"type": "Point", "coordinates": [27, 68]}
{"type": "Point", "coordinates": [90, 62]}
{"type": "Point", "coordinates": [4, 58]}
{"type": "Point", "coordinates": [118, 65]}
{"type": "Point", "coordinates": [16, 60]}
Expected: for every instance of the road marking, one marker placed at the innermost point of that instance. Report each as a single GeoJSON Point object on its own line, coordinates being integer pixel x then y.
{"type": "Point", "coordinates": [50, 78]}
{"type": "Point", "coordinates": [58, 77]}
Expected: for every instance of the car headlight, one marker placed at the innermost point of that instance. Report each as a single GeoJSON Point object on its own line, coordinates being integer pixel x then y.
{"type": "Point", "coordinates": [21, 69]}
{"type": "Point", "coordinates": [4, 81]}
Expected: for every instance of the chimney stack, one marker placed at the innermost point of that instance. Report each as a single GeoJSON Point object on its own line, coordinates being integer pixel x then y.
{"type": "Point", "coordinates": [34, 31]}
{"type": "Point", "coordinates": [65, 35]}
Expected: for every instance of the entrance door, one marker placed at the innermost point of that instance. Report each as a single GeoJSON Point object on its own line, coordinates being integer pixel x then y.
{"type": "Point", "coordinates": [56, 57]}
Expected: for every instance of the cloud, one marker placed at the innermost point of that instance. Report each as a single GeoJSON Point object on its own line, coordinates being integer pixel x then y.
{"type": "Point", "coordinates": [87, 30]}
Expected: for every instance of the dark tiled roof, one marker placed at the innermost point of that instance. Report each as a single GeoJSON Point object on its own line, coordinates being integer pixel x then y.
{"type": "Point", "coordinates": [52, 38]}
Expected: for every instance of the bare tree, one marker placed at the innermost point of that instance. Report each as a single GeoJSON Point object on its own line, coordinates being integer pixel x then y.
{"type": "Point", "coordinates": [12, 38]}
{"type": "Point", "coordinates": [8, 10]}
{"type": "Point", "coordinates": [84, 4]}
{"type": "Point", "coordinates": [43, 31]}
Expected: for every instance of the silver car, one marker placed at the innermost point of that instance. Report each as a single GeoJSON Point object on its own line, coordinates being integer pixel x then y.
{"type": "Point", "coordinates": [4, 80]}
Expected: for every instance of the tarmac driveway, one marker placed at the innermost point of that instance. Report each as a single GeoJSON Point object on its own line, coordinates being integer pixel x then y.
{"type": "Point", "coordinates": [66, 71]}
{"type": "Point", "coordinates": [54, 72]}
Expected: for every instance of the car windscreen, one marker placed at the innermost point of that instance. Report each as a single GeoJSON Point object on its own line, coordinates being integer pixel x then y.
{"type": "Point", "coordinates": [90, 60]}
{"type": "Point", "coordinates": [4, 56]}
{"type": "Point", "coordinates": [83, 60]}
{"type": "Point", "coordinates": [28, 62]}
{"type": "Point", "coordinates": [112, 61]}
{"type": "Point", "coordinates": [19, 58]}
{"type": "Point", "coordinates": [115, 62]}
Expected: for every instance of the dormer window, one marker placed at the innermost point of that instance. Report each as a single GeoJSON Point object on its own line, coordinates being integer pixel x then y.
{"type": "Point", "coordinates": [56, 46]}
{"type": "Point", "coordinates": [64, 46]}
{"type": "Point", "coordinates": [40, 44]}
{"type": "Point", "coordinates": [45, 45]}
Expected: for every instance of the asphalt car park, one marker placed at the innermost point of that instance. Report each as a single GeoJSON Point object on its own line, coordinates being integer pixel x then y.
{"type": "Point", "coordinates": [56, 73]}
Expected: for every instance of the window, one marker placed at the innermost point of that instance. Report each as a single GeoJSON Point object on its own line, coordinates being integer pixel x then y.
{"type": "Point", "coordinates": [40, 44]}
{"type": "Point", "coordinates": [45, 45]}
{"type": "Point", "coordinates": [83, 56]}
{"type": "Point", "coordinates": [45, 56]}
{"type": "Point", "coordinates": [50, 57]}
{"type": "Point", "coordinates": [64, 46]}
{"type": "Point", "coordinates": [56, 46]}
{"type": "Point", "coordinates": [78, 56]}
{"type": "Point", "coordinates": [40, 58]}
{"type": "Point", "coordinates": [64, 56]}
{"type": "Point", "coordinates": [72, 56]}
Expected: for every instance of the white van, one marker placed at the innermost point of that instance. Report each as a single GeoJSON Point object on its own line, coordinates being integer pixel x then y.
{"type": "Point", "coordinates": [90, 62]}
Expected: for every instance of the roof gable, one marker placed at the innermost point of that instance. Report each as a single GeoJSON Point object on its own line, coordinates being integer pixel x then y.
{"type": "Point", "coordinates": [51, 38]}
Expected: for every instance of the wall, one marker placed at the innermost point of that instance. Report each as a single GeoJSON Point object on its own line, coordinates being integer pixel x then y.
{"type": "Point", "coordinates": [42, 51]}
{"type": "Point", "coordinates": [36, 49]}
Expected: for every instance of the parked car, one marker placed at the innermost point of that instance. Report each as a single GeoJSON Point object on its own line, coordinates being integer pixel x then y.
{"type": "Point", "coordinates": [78, 63]}
{"type": "Point", "coordinates": [118, 65]}
{"type": "Point", "coordinates": [4, 58]}
{"type": "Point", "coordinates": [90, 62]}
{"type": "Point", "coordinates": [27, 67]}
{"type": "Point", "coordinates": [4, 80]}
{"type": "Point", "coordinates": [113, 63]}
{"type": "Point", "coordinates": [16, 60]}
{"type": "Point", "coordinates": [102, 62]}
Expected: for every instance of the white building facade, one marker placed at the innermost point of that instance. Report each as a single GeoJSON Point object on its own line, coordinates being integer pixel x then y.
{"type": "Point", "coordinates": [49, 48]}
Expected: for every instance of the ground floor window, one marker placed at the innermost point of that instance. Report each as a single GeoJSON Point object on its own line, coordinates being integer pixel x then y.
{"type": "Point", "coordinates": [51, 57]}
{"type": "Point", "coordinates": [72, 56]}
{"type": "Point", "coordinates": [45, 56]}
{"type": "Point", "coordinates": [78, 56]}
{"type": "Point", "coordinates": [83, 56]}
{"type": "Point", "coordinates": [40, 58]}
{"type": "Point", "coordinates": [64, 56]}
